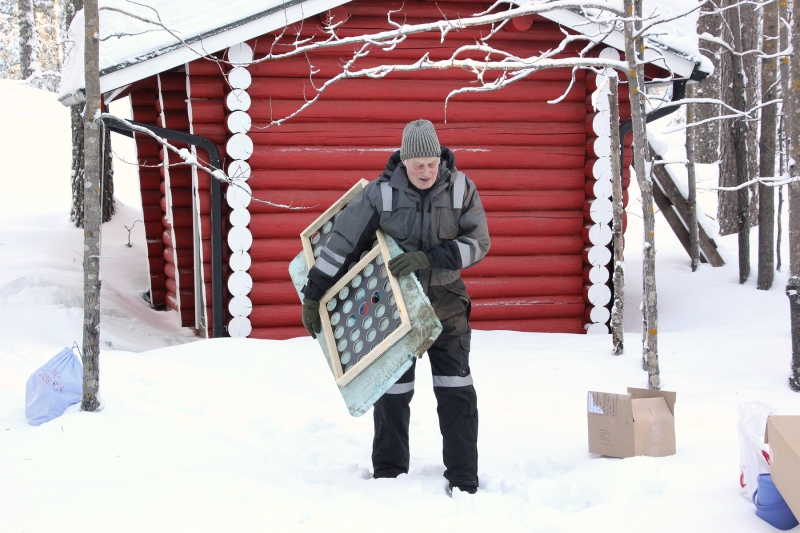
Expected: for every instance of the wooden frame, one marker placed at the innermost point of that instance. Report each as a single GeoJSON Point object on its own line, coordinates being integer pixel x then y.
{"type": "Point", "coordinates": [308, 233]}
{"type": "Point", "coordinates": [343, 376]}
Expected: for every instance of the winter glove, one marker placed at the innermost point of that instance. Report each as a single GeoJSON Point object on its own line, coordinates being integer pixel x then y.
{"type": "Point", "coordinates": [311, 318]}
{"type": "Point", "coordinates": [408, 262]}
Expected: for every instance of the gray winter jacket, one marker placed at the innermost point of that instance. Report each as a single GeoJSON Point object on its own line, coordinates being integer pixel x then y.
{"type": "Point", "coordinates": [448, 223]}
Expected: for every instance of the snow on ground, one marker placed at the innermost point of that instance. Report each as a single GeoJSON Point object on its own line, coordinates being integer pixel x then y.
{"type": "Point", "coordinates": [252, 435]}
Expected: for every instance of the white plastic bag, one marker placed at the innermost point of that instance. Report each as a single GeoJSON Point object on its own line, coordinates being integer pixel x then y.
{"type": "Point", "coordinates": [53, 387]}
{"type": "Point", "coordinates": [753, 453]}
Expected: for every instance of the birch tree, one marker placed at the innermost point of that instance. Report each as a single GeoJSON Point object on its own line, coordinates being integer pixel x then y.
{"type": "Point", "coordinates": [618, 306]}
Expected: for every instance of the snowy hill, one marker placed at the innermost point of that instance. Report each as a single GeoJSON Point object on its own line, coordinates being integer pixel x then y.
{"type": "Point", "coordinates": [211, 435]}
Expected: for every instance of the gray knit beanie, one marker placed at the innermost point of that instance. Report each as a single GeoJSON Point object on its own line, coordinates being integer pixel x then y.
{"type": "Point", "coordinates": [420, 140]}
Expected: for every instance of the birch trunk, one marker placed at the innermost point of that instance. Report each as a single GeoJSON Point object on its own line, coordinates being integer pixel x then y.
{"type": "Point", "coordinates": [641, 166]}
{"type": "Point", "coordinates": [739, 131]}
{"type": "Point", "coordinates": [618, 309]}
{"type": "Point", "coordinates": [766, 195]}
{"type": "Point", "coordinates": [92, 212]}
{"type": "Point", "coordinates": [694, 233]}
{"type": "Point", "coordinates": [793, 286]}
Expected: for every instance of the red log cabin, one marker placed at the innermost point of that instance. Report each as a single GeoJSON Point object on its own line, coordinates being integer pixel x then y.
{"type": "Point", "coordinates": [542, 169]}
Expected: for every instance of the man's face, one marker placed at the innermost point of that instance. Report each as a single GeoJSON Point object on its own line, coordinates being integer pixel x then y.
{"type": "Point", "coordinates": [422, 171]}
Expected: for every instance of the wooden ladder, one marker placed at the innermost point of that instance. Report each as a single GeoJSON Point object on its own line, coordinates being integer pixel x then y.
{"type": "Point", "coordinates": [676, 210]}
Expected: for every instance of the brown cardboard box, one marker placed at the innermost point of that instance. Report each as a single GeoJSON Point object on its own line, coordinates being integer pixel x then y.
{"type": "Point", "coordinates": [783, 437]}
{"type": "Point", "coordinates": [641, 422]}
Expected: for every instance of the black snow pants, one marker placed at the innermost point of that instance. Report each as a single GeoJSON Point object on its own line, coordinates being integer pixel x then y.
{"type": "Point", "coordinates": [455, 396]}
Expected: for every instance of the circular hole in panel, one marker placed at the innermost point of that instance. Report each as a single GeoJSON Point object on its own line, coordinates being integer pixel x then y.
{"type": "Point", "coordinates": [387, 286]}
{"type": "Point", "coordinates": [349, 367]}
{"type": "Point", "coordinates": [373, 347]}
{"type": "Point", "coordinates": [380, 310]}
{"type": "Point", "coordinates": [367, 322]}
{"type": "Point", "coordinates": [386, 335]}
{"type": "Point", "coordinates": [356, 281]}
{"type": "Point", "coordinates": [371, 335]}
{"type": "Point", "coordinates": [357, 346]}
{"type": "Point", "coordinates": [360, 294]}
{"type": "Point", "coordinates": [369, 269]}
{"type": "Point", "coordinates": [355, 334]}
{"type": "Point", "coordinates": [398, 325]}
{"type": "Point", "coordinates": [362, 357]}
{"type": "Point", "coordinates": [335, 317]}
{"type": "Point", "coordinates": [331, 304]}
{"type": "Point", "coordinates": [384, 323]}
{"type": "Point", "coordinates": [315, 238]}
{"type": "Point", "coordinates": [339, 332]}
{"type": "Point", "coordinates": [344, 293]}
{"type": "Point", "coordinates": [327, 227]}
{"type": "Point", "coordinates": [351, 320]}
{"type": "Point", "coordinates": [341, 346]}
{"type": "Point", "coordinates": [391, 299]}
{"type": "Point", "coordinates": [346, 358]}
{"type": "Point", "coordinates": [383, 272]}
{"type": "Point", "coordinates": [328, 238]}
{"type": "Point", "coordinates": [395, 313]}
{"type": "Point", "coordinates": [317, 251]}
{"type": "Point", "coordinates": [363, 254]}
{"type": "Point", "coordinates": [350, 266]}
{"type": "Point", "coordinates": [372, 283]}
{"type": "Point", "coordinates": [363, 308]}
{"type": "Point", "coordinates": [348, 305]}
{"type": "Point", "coordinates": [379, 259]}
{"type": "Point", "coordinates": [376, 297]}
{"type": "Point", "coordinates": [374, 244]}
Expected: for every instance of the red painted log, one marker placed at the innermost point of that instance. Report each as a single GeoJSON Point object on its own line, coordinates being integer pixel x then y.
{"type": "Point", "coordinates": [410, 90]}
{"type": "Point", "coordinates": [184, 236]}
{"type": "Point", "coordinates": [451, 135]}
{"type": "Point", "coordinates": [208, 112]}
{"type": "Point", "coordinates": [262, 111]}
{"type": "Point", "coordinates": [273, 293]}
{"type": "Point", "coordinates": [485, 179]}
{"type": "Point", "coordinates": [335, 16]}
{"type": "Point", "coordinates": [542, 325]}
{"type": "Point", "coordinates": [171, 101]}
{"type": "Point", "coordinates": [156, 264]}
{"type": "Point", "coordinates": [206, 86]}
{"type": "Point", "coordinates": [157, 281]}
{"type": "Point", "coordinates": [524, 286]}
{"type": "Point", "coordinates": [169, 271]}
{"type": "Point", "coordinates": [276, 315]}
{"type": "Point", "coordinates": [154, 247]}
{"type": "Point", "coordinates": [269, 271]}
{"type": "Point", "coordinates": [158, 297]}
{"type": "Point", "coordinates": [149, 180]}
{"type": "Point", "coordinates": [526, 308]}
{"type": "Point", "coordinates": [150, 197]}
{"type": "Point", "coordinates": [174, 120]}
{"type": "Point", "coordinates": [535, 223]}
{"type": "Point", "coordinates": [146, 113]}
{"type": "Point", "coordinates": [172, 81]}
{"type": "Point", "coordinates": [152, 214]}
{"type": "Point", "coordinates": [275, 249]}
{"type": "Point", "coordinates": [181, 217]}
{"type": "Point", "coordinates": [278, 333]}
{"type": "Point", "coordinates": [371, 159]}
{"type": "Point", "coordinates": [533, 265]}
{"type": "Point", "coordinates": [532, 200]}
{"type": "Point", "coordinates": [184, 256]}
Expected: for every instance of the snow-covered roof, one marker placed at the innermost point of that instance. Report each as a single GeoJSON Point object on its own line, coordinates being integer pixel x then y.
{"type": "Point", "coordinates": [146, 37]}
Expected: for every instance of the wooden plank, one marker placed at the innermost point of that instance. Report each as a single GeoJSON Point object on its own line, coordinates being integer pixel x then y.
{"type": "Point", "coordinates": [708, 249]}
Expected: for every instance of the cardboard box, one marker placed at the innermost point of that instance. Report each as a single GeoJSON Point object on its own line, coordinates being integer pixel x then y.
{"type": "Point", "coordinates": [783, 437]}
{"type": "Point", "coordinates": [641, 422]}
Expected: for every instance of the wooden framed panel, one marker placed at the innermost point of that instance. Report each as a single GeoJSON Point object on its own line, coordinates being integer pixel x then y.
{"type": "Point", "coordinates": [315, 236]}
{"type": "Point", "coordinates": [363, 314]}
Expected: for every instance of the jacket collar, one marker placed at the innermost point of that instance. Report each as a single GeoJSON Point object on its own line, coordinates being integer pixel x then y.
{"type": "Point", "coordinates": [398, 178]}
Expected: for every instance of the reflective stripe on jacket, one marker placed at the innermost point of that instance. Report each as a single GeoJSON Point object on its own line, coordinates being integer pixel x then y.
{"type": "Point", "coordinates": [448, 224]}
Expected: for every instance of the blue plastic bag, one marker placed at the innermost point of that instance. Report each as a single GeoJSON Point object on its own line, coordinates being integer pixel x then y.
{"type": "Point", "coordinates": [53, 387]}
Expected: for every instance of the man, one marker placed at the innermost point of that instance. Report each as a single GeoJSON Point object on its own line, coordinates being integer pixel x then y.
{"type": "Point", "coordinates": [434, 213]}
